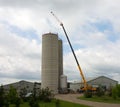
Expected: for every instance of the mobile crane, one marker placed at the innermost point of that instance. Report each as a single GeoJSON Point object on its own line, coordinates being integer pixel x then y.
{"type": "Point", "coordinates": [86, 87]}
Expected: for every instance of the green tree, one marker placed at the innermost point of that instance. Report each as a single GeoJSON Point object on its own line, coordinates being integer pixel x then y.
{"type": "Point", "coordinates": [12, 95]}
{"type": "Point", "coordinates": [57, 103]}
{"type": "Point", "coordinates": [34, 92]}
{"type": "Point", "coordinates": [23, 93]}
{"type": "Point", "coordinates": [6, 101]}
{"type": "Point", "coordinates": [88, 94]}
{"type": "Point", "coordinates": [2, 96]}
{"type": "Point", "coordinates": [114, 92]}
{"type": "Point", "coordinates": [17, 102]}
{"type": "Point", "coordinates": [118, 90]}
{"type": "Point", "coordinates": [46, 95]}
{"type": "Point", "coordinates": [33, 102]}
{"type": "Point", "coordinates": [100, 91]}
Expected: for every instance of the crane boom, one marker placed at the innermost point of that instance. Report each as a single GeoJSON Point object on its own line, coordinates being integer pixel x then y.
{"type": "Point", "coordinates": [81, 72]}
{"type": "Point", "coordinates": [56, 18]}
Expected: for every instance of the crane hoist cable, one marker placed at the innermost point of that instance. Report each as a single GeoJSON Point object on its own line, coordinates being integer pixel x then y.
{"type": "Point", "coordinates": [81, 72]}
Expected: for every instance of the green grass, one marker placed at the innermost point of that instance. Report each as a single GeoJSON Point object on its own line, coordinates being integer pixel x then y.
{"type": "Point", "coordinates": [105, 99]}
{"type": "Point", "coordinates": [21, 105]}
{"type": "Point", "coordinates": [53, 104]}
{"type": "Point", "coordinates": [69, 104]}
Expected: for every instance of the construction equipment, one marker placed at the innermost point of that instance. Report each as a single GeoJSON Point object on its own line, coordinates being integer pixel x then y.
{"type": "Point", "coordinates": [81, 72]}
{"type": "Point", "coordinates": [86, 86]}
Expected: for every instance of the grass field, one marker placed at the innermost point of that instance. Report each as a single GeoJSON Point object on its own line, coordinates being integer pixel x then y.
{"type": "Point", "coordinates": [104, 99]}
{"type": "Point", "coordinates": [53, 104]}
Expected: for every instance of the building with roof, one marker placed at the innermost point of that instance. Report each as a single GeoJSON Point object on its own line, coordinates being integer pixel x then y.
{"type": "Point", "coordinates": [29, 86]}
{"type": "Point", "coordinates": [102, 81]}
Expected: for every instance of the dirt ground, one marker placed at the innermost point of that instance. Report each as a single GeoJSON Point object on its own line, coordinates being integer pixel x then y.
{"type": "Point", "coordinates": [73, 98]}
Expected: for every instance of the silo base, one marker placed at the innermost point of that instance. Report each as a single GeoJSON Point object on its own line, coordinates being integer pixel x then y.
{"type": "Point", "coordinates": [63, 91]}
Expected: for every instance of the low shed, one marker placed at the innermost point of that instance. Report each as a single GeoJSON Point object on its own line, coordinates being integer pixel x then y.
{"type": "Point", "coordinates": [103, 81]}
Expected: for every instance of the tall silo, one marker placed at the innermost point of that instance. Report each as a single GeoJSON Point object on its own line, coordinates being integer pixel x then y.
{"type": "Point", "coordinates": [60, 60]}
{"type": "Point", "coordinates": [50, 73]}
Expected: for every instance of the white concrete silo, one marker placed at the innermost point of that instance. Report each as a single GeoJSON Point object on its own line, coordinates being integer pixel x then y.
{"type": "Point", "coordinates": [60, 60]}
{"type": "Point", "coordinates": [50, 73]}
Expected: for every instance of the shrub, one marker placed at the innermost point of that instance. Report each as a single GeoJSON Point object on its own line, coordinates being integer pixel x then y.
{"type": "Point", "coordinates": [6, 101]}
{"type": "Point", "coordinates": [100, 92]}
{"type": "Point", "coordinates": [17, 102]}
{"type": "Point", "coordinates": [118, 90]}
{"type": "Point", "coordinates": [114, 92]}
{"type": "Point", "coordinates": [88, 94]}
{"type": "Point", "coordinates": [57, 103]}
{"type": "Point", "coordinates": [109, 91]}
{"type": "Point", "coordinates": [36, 104]}
{"type": "Point", "coordinates": [2, 95]}
{"type": "Point", "coordinates": [12, 95]}
{"type": "Point", "coordinates": [23, 93]}
{"type": "Point", "coordinates": [33, 103]}
{"type": "Point", "coordinates": [45, 95]}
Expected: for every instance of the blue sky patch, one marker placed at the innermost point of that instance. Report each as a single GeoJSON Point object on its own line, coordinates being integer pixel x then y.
{"type": "Point", "coordinates": [102, 26]}
{"type": "Point", "coordinates": [29, 33]}
{"type": "Point", "coordinates": [111, 36]}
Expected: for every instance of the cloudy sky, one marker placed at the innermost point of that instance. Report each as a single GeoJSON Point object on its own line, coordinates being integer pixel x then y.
{"type": "Point", "coordinates": [93, 27]}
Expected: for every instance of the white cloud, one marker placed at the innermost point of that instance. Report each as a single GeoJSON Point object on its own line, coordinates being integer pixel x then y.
{"type": "Point", "coordinates": [95, 61]}
{"type": "Point", "coordinates": [97, 51]}
{"type": "Point", "coordinates": [19, 57]}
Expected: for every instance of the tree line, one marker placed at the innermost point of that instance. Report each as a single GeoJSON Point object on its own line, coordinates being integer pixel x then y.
{"type": "Point", "coordinates": [113, 92]}
{"type": "Point", "coordinates": [13, 97]}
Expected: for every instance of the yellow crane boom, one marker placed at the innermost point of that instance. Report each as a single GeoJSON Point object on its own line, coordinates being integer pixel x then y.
{"type": "Point", "coordinates": [81, 72]}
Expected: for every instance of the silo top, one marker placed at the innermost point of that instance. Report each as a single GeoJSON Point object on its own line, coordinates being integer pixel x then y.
{"type": "Point", "coordinates": [50, 34]}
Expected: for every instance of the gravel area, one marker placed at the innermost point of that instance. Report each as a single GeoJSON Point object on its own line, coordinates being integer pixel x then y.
{"type": "Point", "coordinates": [73, 98]}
